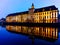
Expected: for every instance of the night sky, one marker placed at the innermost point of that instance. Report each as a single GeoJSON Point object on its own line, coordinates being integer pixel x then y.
{"type": "Point", "coordinates": [13, 6]}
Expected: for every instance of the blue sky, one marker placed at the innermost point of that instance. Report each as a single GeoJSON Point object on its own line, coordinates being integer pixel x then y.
{"type": "Point", "coordinates": [13, 6]}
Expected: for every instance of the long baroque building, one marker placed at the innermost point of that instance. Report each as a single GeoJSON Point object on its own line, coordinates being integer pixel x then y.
{"type": "Point", "coordinates": [41, 15]}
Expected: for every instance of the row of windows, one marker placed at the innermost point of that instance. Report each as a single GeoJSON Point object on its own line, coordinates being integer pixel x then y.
{"type": "Point", "coordinates": [44, 13]}
{"type": "Point", "coordinates": [54, 14]}
{"type": "Point", "coordinates": [45, 17]}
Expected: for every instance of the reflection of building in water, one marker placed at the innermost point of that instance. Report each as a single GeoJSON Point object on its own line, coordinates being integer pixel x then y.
{"type": "Point", "coordinates": [41, 15]}
{"type": "Point", "coordinates": [48, 32]}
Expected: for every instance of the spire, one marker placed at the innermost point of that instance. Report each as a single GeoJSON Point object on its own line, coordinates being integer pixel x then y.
{"type": "Point", "coordinates": [32, 5]}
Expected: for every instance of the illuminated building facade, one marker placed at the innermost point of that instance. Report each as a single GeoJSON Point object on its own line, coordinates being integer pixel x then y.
{"type": "Point", "coordinates": [41, 15]}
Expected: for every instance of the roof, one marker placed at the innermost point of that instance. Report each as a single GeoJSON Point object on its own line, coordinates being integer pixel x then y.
{"type": "Point", "coordinates": [14, 14]}
{"type": "Point", "coordinates": [36, 10]}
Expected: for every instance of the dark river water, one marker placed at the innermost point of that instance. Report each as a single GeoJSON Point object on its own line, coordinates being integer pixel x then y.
{"type": "Point", "coordinates": [24, 35]}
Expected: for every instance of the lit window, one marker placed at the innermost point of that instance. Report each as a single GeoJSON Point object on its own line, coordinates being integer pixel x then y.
{"type": "Point", "coordinates": [47, 12]}
{"type": "Point", "coordinates": [43, 13]}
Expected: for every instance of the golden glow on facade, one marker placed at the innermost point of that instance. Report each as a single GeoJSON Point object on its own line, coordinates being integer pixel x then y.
{"type": "Point", "coordinates": [50, 16]}
{"type": "Point", "coordinates": [48, 32]}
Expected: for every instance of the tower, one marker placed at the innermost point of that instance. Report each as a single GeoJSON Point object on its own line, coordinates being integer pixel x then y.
{"type": "Point", "coordinates": [32, 6]}
{"type": "Point", "coordinates": [31, 13]}
{"type": "Point", "coordinates": [31, 10]}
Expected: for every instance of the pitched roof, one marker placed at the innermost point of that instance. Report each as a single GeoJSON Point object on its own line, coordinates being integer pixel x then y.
{"type": "Point", "coordinates": [46, 8]}
{"type": "Point", "coordinates": [36, 10]}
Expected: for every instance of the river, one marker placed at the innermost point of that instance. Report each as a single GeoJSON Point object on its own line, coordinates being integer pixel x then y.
{"type": "Point", "coordinates": [24, 35]}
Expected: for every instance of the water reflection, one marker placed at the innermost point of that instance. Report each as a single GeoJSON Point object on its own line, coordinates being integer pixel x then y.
{"type": "Point", "coordinates": [40, 32]}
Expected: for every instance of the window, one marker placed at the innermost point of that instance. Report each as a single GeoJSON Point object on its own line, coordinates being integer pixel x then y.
{"type": "Point", "coordinates": [56, 14]}
{"type": "Point", "coordinates": [50, 12]}
{"type": "Point", "coordinates": [39, 13]}
{"type": "Point", "coordinates": [43, 13]}
{"type": "Point", "coordinates": [47, 17]}
{"type": "Point", "coordinates": [47, 12]}
{"type": "Point", "coordinates": [43, 9]}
